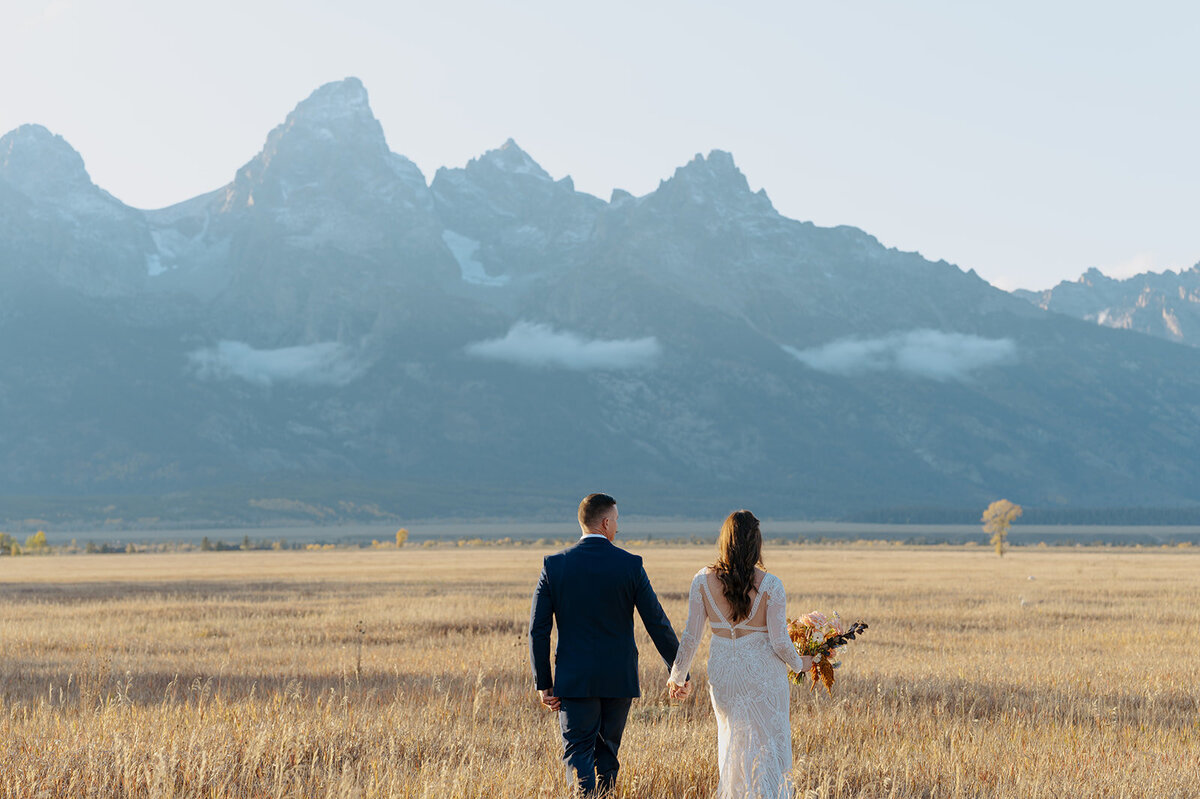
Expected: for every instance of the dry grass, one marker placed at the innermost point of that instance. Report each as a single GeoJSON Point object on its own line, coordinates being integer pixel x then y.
{"type": "Point", "coordinates": [237, 674]}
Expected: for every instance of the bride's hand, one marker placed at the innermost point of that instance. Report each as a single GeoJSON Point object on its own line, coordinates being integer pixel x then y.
{"type": "Point", "coordinates": [807, 661]}
{"type": "Point", "coordinates": [679, 691]}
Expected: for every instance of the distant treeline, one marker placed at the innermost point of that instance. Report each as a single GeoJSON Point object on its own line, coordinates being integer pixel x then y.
{"type": "Point", "coordinates": [301, 502]}
{"type": "Point", "coordinates": [38, 544]}
{"type": "Point", "coordinates": [275, 503]}
{"type": "Point", "coordinates": [1091, 517]}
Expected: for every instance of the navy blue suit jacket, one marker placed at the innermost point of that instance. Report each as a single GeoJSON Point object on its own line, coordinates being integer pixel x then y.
{"type": "Point", "coordinates": [591, 591]}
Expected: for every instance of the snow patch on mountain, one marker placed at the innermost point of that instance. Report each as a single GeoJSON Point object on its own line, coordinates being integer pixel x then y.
{"type": "Point", "coordinates": [323, 363]}
{"type": "Point", "coordinates": [464, 250]}
{"type": "Point", "coordinates": [154, 265]}
{"type": "Point", "coordinates": [536, 345]}
{"type": "Point", "coordinates": [931, 354]}
{"type": "Point", "coordinates": [173, 245]}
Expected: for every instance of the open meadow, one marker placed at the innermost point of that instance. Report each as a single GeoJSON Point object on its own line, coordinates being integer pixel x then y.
{"type": "Point", "coordinates": [404, 673]}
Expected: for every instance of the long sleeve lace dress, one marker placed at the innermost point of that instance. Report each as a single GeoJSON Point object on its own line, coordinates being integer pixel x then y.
{"type": "Point", "coordinates": [748, 682]}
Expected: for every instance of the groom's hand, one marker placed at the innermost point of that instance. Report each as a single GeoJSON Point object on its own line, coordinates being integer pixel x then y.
{"type": "Point", "coordinates": [679, 691]}
{"type": "Point", "coordinates": [547, 697]}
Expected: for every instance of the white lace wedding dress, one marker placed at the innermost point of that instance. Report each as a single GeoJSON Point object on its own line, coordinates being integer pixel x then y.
{"type": "Point", "coordinates": [748, 683]}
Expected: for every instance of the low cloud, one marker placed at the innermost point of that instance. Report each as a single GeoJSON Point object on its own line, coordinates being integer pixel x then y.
{"type": "Point", "coordinates": [925, 353]}
{"type": "Point", "coordinates": [540, 346]}
{"type": "Point", "coordinates": [325, 363]}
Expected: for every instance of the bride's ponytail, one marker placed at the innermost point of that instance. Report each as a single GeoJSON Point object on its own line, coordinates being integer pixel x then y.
{"type": "Point", "coordinates": [739, 550]}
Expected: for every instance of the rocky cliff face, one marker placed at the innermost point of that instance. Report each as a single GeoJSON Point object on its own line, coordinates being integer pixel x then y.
{"type": "Point", "coordinates": [328, 318]}
{"type": "Point", "coordinates": [1165, 305]}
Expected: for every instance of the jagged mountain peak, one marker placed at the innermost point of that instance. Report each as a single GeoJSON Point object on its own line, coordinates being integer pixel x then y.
{"type": "Point", "coordinates": [331, 141]}
{"type": "Point", "coordinates": [1163, 304]}
{"type": "Point", "coordinates": [510, 159]}
{"type": "Point", "coordinates": [1093, 277]}
{"type": "Point", "coordinates": [344, 99]}
{"type": "Point", "coordinates": [717, 167]}
{"type": "Point", "coordinates": [39, 163]}
{"type": "Point", "coordinates": [713, 180]}
{"type": "Point", "coordinates": [337, 116]}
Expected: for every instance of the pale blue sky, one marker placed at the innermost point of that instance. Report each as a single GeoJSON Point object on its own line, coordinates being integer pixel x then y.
{"type": "Point", "coordinates": [1026, 140]}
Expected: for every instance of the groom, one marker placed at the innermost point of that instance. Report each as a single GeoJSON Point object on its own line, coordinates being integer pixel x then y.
{"type": "Point", "coordinates": [591, 590]}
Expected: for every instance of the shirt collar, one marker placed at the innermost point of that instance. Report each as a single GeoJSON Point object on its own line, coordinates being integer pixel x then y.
{"type": "Point", "coordinates": [586, 536]}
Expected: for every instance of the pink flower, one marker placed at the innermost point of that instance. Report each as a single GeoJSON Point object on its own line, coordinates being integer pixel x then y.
{"type": "Point", "coordinates": [816, 620]}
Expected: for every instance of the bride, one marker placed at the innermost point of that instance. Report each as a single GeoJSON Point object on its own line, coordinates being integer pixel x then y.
{"type": "Point", "coordinates": [748, 663]}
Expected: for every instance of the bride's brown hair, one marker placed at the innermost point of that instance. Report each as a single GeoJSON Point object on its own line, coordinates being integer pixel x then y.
{"type": "Point", "coordinates": [739, 550]}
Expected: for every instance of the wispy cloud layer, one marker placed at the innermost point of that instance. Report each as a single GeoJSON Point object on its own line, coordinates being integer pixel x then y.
{"type": "Point", "coordinates": [325, 363]}
{"type": "Point", "coordinates": [924, 353]}
{"type": "Point", "coordinates": [540, 346]}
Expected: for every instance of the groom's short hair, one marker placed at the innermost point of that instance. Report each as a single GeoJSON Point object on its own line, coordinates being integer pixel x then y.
{"type": "Point", "coordinates": [593, 508]}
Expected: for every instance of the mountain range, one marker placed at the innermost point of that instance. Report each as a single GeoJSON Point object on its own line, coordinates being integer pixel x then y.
{"type": "Point", "coordinates": [331, 335]}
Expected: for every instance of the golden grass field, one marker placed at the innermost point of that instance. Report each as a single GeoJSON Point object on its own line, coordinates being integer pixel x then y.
{"type": "Point", "coordinates": [237, 675]}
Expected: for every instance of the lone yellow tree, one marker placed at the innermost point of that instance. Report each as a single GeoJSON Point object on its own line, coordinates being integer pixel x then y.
{"type": "Point", "coordinates": [401, 536]}
{"type": "Point", "coordinates": [997, 519]}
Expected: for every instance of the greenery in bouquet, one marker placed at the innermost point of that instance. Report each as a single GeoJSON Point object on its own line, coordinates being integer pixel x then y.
{"type": "Point", "coordinates": [822, 638]}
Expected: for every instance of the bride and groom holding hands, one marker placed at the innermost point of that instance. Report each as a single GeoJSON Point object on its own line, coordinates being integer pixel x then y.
{"type": "Point", "coordinates": [591, 590]}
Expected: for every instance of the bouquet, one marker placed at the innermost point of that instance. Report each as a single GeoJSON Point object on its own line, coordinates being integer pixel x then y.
{"type": "Point", "coordinates": [821, 637]}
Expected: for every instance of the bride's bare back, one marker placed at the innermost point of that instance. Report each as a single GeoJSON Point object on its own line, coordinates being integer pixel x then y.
{"type": "Point", "coordinates": [719, 611]}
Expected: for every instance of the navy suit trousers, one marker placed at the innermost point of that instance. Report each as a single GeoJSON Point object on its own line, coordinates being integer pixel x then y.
{"type": "Point", "coordinates": [591, 730]}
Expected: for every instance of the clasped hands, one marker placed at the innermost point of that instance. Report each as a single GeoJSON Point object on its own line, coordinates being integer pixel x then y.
{"type": "Point", "coordinates": [679, 691]}
{"type": "Point", "coordinates": [551, 702]}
